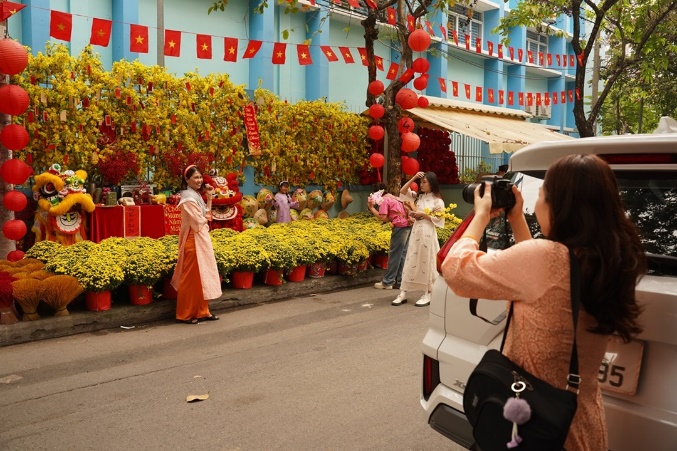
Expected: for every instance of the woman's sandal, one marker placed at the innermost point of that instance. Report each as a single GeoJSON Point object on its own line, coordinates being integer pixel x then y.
{"type": "Point", "coordinates": [187, 321]}
{"type": "Point", "coordinates": [211, 317]}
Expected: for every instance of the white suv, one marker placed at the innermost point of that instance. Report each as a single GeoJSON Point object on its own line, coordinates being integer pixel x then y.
{"type": "Point", "coordinates": [638, 379]}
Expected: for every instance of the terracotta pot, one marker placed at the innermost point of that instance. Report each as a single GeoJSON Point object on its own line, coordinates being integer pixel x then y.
{"type": "Point", "coordinates": [242, 279]}
{"type": "Point", "coordinates": [168, 291]}
{"type": "Point", "coordinates": [273, 277]}
{"type": "Point", "coordinates": [363, 265]}
{"type": "Point", "coordinates": [140, 294]}
{"type": "Point", "coordinates": [381, 261]}
{"type": "Point", "coordinates": [97, 301]}
{"type": "Point", "coordinates": [316, 270]}
{"type": "Point", "coordinates": [297, 274]}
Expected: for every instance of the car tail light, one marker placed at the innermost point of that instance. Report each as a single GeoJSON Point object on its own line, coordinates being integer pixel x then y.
{"type": "Point", "coordinates": [648, 158]}
{"type": "Point", "coordinates": [431, 375]}
{"type": "Point", "coordinates": [458, 233]}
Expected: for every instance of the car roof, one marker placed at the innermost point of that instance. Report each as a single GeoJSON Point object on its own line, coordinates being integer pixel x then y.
{"type": "Point", "coordinates": [539, 156]}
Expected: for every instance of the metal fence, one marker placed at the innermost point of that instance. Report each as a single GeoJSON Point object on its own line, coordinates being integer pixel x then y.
{"type": "Point", "coordinates": [470, 152]}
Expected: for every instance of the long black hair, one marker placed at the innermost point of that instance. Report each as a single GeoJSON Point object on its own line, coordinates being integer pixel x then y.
{"type": "Point", "coordinates": [434, 185]}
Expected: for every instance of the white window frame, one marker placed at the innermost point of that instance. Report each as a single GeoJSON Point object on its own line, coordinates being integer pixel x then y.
{"type": "Point", "coordinates": [457, 17]}
{"type": "Point", "coordinates": [540, 44]}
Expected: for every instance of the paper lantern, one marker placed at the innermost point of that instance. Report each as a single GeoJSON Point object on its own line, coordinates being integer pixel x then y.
{"type": "Point", "coordinates": [410, 142]}
{"type": "Point", "coordinates": [15, 256]}
{"type": "Point", "coordinates": [421, 83]}
{"type": "Point", "coordinates": [14, 229]}
{"type": "Point", "coordinates": [423, 102]}
{"type": "Point", "coordinates": [406, 98]}
{"type": "Point", "coordinates": [15, 200]}
{"type": "Point", "coordinates": [420, 65]}
{"type": "Point", "coordinates": [13, 57]}
{"type": "Point", "coordinates": [376, 132]}
{"type": "Point", "coordinates": [376, 160]}
{"type": "Point", "coordinates": [13, 100]}
{"type": "Point", "coordinates": [410, 166]}
{"type": "Point", "coordinates": [14, 137]}
{"type": "Point", "coordinates": [15, 171]}
{"type": "Point", "coordinates": [405, 125]}
{"type": "Point", "coordinates": [419, 40]}
{"type": "Point", "coordinates": [413, 186]}
{"type": "Point", "coordinates": [376, 88]}
{"type": "Point", "coordinates": [376, 111]}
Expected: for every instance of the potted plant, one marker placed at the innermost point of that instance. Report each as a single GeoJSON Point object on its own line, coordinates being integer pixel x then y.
{"type": "Point", "coordinates": [141, 268]}
{"type": "Point", "coordinates": [239, 257]}
{"type": "Point", "coordinates": [99, 273]}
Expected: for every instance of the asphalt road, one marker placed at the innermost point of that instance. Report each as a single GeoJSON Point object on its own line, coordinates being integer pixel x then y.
{"type": "Point", "coordinates": [337, 371]}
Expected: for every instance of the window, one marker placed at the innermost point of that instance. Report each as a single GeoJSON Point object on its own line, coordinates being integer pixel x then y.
{"type": "Point", "coordinates": [460, 22]}
{"type": "Point", "coordinates": [537, 42]}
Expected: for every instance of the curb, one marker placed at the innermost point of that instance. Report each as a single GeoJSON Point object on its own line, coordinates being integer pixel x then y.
{"type": "Point", "coordinates": [159, 310]}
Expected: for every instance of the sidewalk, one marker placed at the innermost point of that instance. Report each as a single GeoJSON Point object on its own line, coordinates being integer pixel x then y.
{"type": "Point", "coordinates": [124, 314]}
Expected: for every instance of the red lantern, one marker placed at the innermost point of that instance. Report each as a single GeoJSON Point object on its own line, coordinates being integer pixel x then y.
{"type": "Point", "coordinates": [15, 256]}
{"type": "Point", "coordinates": [15, 171]}
{"type": "Point", "coordinates": [376, 132]}
{"type": "Point", "coordinates": [15, 200]}
{"type": "Point", "coordinates": [414, 186]}
{"type": "Point", "coordinates": [376, 111]}
{"type": "Point", "coordinates": [405, 125]}
{"type": "Point", "coordinates": [376, 160]}
{"type": "Point", "coordinates": [420, 65]}
{"type": "Point", "coordinates": [406, 98]}
{"type": "Point", "coordinates": [421, 83]}
{"type": "Point", "coordinates": [13, 100]}
{"type": "Point", "coordinates": [13, 57]}
{"type": "Point", "coordinates": [423, 102]}
{"type": "Point", "coordinates": [410, 166]}
{"type": "Point", "coordinates": [419, 40]}
{"type": "Point", "coordinates": [14, 229]}
{"type": "Point", "coordinates": [14, 137]}
{"type": "Point", "coordinates": [410, 142]}
{"type": "Point", "coordinates": [376, 88]}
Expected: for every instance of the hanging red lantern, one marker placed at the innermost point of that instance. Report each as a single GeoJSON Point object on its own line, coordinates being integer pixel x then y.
{"type": "Point", "coordinates": [14, 229]}
{"type": "Point", "coordinates": [15, 200]}
{"type": "Point", "coordinates": [419, 40]}
{"type": "Point", "coordinates": [376, 132]}
{"type": "Point", "coordinates": [13, 57]}
{"type": "Point", "coordinates": [410, 166]}
{"type": "Point", "coordinates": [413, 186]}
{"type": "Point", "coordinates": [423, 102]}
{"type": "Point", "coordinates": [421, 83]}
{"type": "Point", "coordinates": [376, 111]}
{"type": "Point", "coordinates": [410, 142]}
{"type": "Point", "coordinates": [376, 88]}
{"type": "Point", "coordinates": [13, 100]}
{"type": "Point", "coordinates": [14, 137]}
{"type": "Point", "coordinates": [15, 171]}
{"type": "Point", "coordinates": [406, 98]}
{"type": "Point", "coordinates": [15, 256]}
{"type": "Point", "coordinates": [405, 125]}
{"type": "Point", "coordinates": [420, 65]}
{"type": "Point", "coordinates": [377, 160]}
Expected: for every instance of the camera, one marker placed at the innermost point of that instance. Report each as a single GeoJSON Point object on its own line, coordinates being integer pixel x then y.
{"type": "Point", "coordinates": [501, 192]}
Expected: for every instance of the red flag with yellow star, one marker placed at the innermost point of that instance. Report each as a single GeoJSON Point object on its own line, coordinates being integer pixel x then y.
{"type": "Point", "coordinates": [138, 39]}
{"type": "Point", "coordinates": [443, 84]}
{"type": "Point", "coordinates": [101, 29]}
{"type": "Point", "coordinates": [279, 52]}
{"type": "Point", "coordinates": [454, 88]}
{"type": "Point", "coordinates": [8, 9]}
{"type": "Point", "coordinates": [347, 56]}
{"type": "Point", "coordinates": [303, 52]}
{"type": "Point", "coordinates": [363, 56]}
{"type": "Point", "coordinates": [230, 49]}
{"type": "Point", "coordinates": [379, 62]}
{"type": "Point", "coordinates": [204, 46]}
{"type": "Point", "coordinates": [172, 43]}
{"type": "Point", "coordinates": [60, 25]}
{"type": "Point", "coordinates": [329, 53]}
{"type": "Point", "coordinates": [392, 71]}
{"type": "Point", "coordinates": [391, 16]}
{"type": "Point", "coordinates": [252, 48]}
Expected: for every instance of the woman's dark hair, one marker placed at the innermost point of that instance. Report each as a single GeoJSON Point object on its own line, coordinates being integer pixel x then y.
{"type": "Point", "coordinates": [587, 215]}
{"type": "Point", "coordinates": [434, 185]}
{"type": "Point", "coordinates": [192, 169]}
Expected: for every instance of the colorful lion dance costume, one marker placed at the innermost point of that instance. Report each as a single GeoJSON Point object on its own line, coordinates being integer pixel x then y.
{"type": "Point", "coordinates": [62, 201]}
{"type": "Point", "coordinates": [226, 208]}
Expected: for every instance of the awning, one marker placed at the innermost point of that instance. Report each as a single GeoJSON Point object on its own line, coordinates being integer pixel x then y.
{"type": "Point", "coordinates": [505, 129]}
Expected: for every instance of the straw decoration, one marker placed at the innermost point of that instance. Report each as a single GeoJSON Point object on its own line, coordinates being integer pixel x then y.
{"type": "Point", "coordinates": [27, 293]}
{"type": "Point", "coordinates": [59, 291]}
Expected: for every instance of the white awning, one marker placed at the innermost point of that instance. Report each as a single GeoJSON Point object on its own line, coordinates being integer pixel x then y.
{"type": "Point", "coordinates": [505, 129]}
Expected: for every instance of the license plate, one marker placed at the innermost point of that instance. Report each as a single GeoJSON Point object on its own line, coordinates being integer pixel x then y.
{"type": "Point", "coordinates": [619, 371]}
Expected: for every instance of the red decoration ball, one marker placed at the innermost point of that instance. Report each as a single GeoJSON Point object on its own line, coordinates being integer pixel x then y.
{"type": "Point", "coordinates": [376, 88]}
{"type": "Point", "coordinates": [377, 160]}
{"type": "Point", "coordinates": [421, 83]}
{"type": "Point", "coordinates": [405, 125]}
{"type": "Point", "coordinates": [410, 166]}
{"type": "Point", "coordinates": [13, 57]}
{"type": "Point", "coordinates": [406, 98]}
{"type": "Point", "coordinates": [15, 171]}
{"type": "Point", "coordinates": [15, 200]}
{"type": "Point", "coordinates": [410, 142]}
{"type": "Point", "coordinates": [376, 111]}
{"type": "Point", "coordinates": [423, 102]}
{"type": "Point", "coordinates": [420, 65]}
{"type": "Point", "coordinates": [15, 256]}
{"type": "Point", "coordinates": [14, 229]}
{"type": "Point", "coordinates": [414, 186]}
{"type": "Point", "coordinates": [14, 137]}
{"type": "Point", "coordinates": [13, 100]}
{"type": "Point", "coordinates": [419, 40]}
{"type": "Point", "coordinates": [376, 132]}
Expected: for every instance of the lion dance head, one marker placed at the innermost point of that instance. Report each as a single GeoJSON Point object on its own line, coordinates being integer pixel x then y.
{"type": "Point", "coordinates": [62, 200]}
{"type": "Point", "coordinates": [226, 208]}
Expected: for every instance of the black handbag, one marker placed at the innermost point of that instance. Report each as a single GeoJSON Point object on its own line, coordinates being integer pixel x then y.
{"type": "Point", "coordinates": [496, 380]}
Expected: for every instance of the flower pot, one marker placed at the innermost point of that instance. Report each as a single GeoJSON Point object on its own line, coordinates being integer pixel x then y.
{"type": "Point", "coordinates": [347, 270]}
{"type": "Point", "coordinates": [381, 261]}
{"type": "Point", "coordinates": [242, 279]}
{"type": "Point", "coordinates": [273, 277]}
{"type": "Point", "coordinates": [363, 265]}
{"type": "Point", "coordinates": [140, 294]}
{"type": "Point", "coordinates": [316, 270]}
{"type": "Point", "coordinates": [168, 291]}
{"type": "Point", "coordinates": [332, 267]}
{"type": "Point", "coordinates": [97, 301]}
{"type": "Point", "coordinates": [297, 274]}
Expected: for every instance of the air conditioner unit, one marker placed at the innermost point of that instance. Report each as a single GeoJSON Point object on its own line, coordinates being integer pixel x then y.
{"type": "Point", "coordinates": [543, 111]}
{"type": "Point", "coordinates": [531, 109]}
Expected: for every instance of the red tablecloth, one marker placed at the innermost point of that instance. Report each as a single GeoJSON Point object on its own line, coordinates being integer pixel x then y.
{"type": "Point", "coordinates": [106, 222]}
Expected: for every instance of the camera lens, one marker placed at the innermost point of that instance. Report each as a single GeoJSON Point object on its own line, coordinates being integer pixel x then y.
{"type": "Point", "coordinates": [469, 193]}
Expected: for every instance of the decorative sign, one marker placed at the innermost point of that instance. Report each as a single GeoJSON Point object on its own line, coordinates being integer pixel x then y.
{"type": "Point", "coordinates": [172, 220]}
{"type": "Point", "coordinates": [132, 221]}
{"type": "Point", "coordinates": [252, 130]}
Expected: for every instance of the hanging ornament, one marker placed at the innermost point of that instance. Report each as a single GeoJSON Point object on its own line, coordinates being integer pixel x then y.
{"type": "Point", "coordinates": [15, 171]}
{"type": "Point", "coordinates": [15, 256]}
{"type": "Point", "coordinates": [13, 57]}
{"type": "Point", "coordinates": [15, 200]}
{"type": "Point", "coordinates": [376, 111]}
{"type": "Point", "coordinates": [14, 229]}
{"type": "Point", "coordinates": [13, 100]}
{"type": "Point", "coordinates": [14, 137]}
{"type": "Point", "coordinates": [420, 65]}
{"type": "Point", "coordinates": [423, 102]}
{"type": "Point", "coordinates": [376, 88]}
{"type": "Point", "coordinates": [405, 125]}
{"type": "Point", "coordinates": [376, 132]}
{"type": "Point", "coordinates": [410, 166]}
{"type": "Point", "coordinates": [410, 142]}
{"type": "Point", "coordinates": [421, 82]}
{"type": "Point", "coordinates": [419, 40]}
{"type": "Point", "coordinates": [377, 160]}
{"type": "Point", "coordinates": [406, 98]}
{"type": "Point", "coordinates": [413, 186]}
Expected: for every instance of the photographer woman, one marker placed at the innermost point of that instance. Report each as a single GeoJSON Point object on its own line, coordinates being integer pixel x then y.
{"type": "Point", "coordinates": [578, 208]}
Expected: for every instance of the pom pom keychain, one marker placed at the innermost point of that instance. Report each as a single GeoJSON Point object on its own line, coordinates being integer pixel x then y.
{"type": "Point", "coordinates": [518, 411]}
